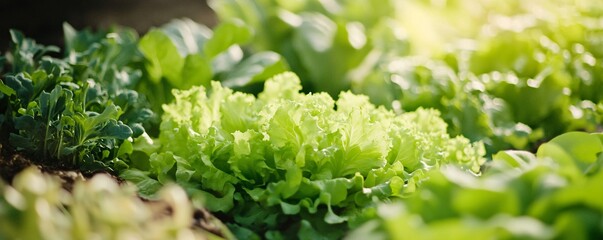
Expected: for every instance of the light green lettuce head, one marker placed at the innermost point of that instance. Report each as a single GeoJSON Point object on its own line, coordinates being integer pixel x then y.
{"type": "Point", "coordinates": [297, 163]}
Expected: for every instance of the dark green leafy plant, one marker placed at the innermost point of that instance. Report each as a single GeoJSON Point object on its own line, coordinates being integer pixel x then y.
{"type": "Point", "coordinates": [60, 112]}
{"type": "Point", "coordinates": [111, 57]}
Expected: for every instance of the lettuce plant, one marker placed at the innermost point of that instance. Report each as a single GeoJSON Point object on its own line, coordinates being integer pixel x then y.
{"type": "Point", "coordinates": [288, 163]}
{"type": "Point", "coordinates": [553, 194]}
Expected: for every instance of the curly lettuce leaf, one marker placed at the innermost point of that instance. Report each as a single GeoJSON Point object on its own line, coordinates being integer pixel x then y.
{"type": "Point", "coordinates": [287, 158]}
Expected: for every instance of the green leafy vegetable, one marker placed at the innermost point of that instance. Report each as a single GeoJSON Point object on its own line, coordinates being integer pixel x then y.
{"type": "Point", "coordinates": [183, 54]}
{"type": "Point", "coordinates": [554, 194]}
{"type": "Point", "coordinates": [287, 162]}
{"type": "Point", "coordinates": [75, 112]}
{"type": "Point", "coordinates": [329, 44]}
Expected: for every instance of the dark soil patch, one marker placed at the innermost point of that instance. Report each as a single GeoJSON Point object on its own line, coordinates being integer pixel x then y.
{"type": "Point", "coordinates": [11, 163]}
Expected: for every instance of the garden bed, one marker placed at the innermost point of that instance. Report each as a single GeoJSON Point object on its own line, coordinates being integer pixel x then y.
{"type": "Point", "coordinates": [313, 120]}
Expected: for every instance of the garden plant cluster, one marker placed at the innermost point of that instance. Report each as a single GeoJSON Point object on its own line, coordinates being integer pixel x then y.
{"type": "Point", "coordinates": [313, 119]}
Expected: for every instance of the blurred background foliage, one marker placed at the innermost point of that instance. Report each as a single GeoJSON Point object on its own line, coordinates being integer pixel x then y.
{"type": "Point", "coordinates": [43, 19]}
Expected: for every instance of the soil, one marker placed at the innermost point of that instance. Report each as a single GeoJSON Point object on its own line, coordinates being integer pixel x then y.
{"type": "Point", "coordinates": [11, 163]}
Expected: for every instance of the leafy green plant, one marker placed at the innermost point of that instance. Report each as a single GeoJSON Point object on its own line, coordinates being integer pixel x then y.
{"type": "Point", "coordinates": [287, 163]}
{"type": "Point", "coordinates": [554, 194]}
{"type": "Point", "coordinates": [465, 105]}
{"type": "Point", "coordinates": [182, 54]}
{"type": "Point", "coordinates": [74, 112]}
{"type": "Point", "coordinates": [329, 44]}
{"type": "Point", "coordinates": [555, 71]}
{"type": "Point", "coordinates": [545, 56]}
{"type": "Point", "coordinates": [111, 58]}
{"type": "Point", "coordinates": [37, 207]}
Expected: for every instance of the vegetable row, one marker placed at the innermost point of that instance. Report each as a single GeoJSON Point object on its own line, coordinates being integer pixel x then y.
{"type": "Point", "coordinates": [390, 125]}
